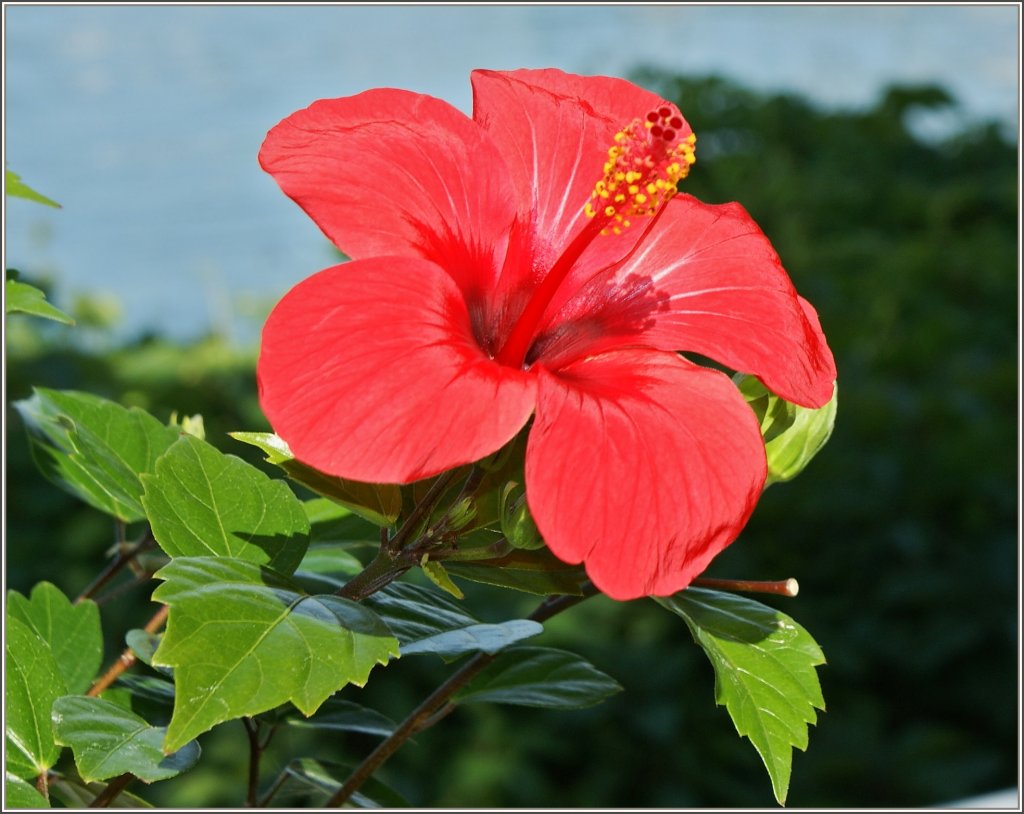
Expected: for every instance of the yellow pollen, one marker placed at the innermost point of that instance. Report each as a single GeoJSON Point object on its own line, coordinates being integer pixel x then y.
{"type": "Point", "coordinates": [646, 160]}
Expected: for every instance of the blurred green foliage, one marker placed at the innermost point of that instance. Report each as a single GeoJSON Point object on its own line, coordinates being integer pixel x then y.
{"type": "Point", "coordinates": [903, 532]}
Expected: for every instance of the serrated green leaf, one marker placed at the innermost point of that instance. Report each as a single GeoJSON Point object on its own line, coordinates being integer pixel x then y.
{"type": "Point", "coordinates": [486, 638]}
{"type": "Point", "coordinates": [764, 672]}
{"type": "Point", "coordinates": [437, 574]}
{"type": "Point", "coordinates": [27, 299]}
{"type": "Point", "coordinates": [793, 434]}
{"type": "Point", "coordinates": [19, 794]}
{"type": "Point", "coordinates": [346, 716]}
{"type": "Point", "coordinates": [201, 502]}
{"type": "Point", "coordinates": [108, 741]}
{"type": "Point", "coordinates": [244, 639]}
{"type": "Point", "coordinates": [94, 448]}
{"type": "Point", "coordinates": [14, 186]}
{"type": "Point", "coordinates": [379, 503]}
{"type": "Point", "coordinates": [33, 684]}
{"type": "Point", "coordinates": [539, 677]}
{"type": "Point", "coordinates": [536, 572]}
{"type": "Point", "coordinates": [72, 631]}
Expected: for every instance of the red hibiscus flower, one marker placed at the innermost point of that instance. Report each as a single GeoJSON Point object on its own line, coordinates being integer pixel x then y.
{"type": "Point", "coordinates": [535, 260]}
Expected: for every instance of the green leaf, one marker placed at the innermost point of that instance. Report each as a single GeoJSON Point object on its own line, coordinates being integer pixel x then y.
{"type": "Point", "coordinates": [379, 503]}
{"type": "Point", "coordinates": [108, 741]}
{"type": "Point", "coordinates": [331, 522]}
{"type": "Point", "coordinates": [311, 782]}
{"type": "Point", "coordinates": [517, 523]}
{"type": "Point", "coordinates": [328, 563]}
{"type": "Point", "coordinates": [201, 502]}
{"type": "Point", "coordinates": [345, 716]}
{"type": "Point", "coordinates": [75, 794]}
{"type": "Point", "coordinates": [94, 448]}
{"type": "Point", "coordinates": [414, 613]}
{"type": "Point", "coordinates": [425, 621]}
{"type": "Point", "coordinates": [535, 572]}
{"type": "Point", "coordinates": [437, 574]}
{"type": "Point", "coordinates": [764, 672]}
{"type": "Point", "coordinates": [14, 186]}
{"type": "Point", "coordinates": [72, 631]}
{"type": "Point", "coordinates": [27, 299]}
{"type": "Point", "coordinates": [19, 794]}
{"type": "Point", "coordinates": [33, 684]}
{"type": "Point", "coordinates": [151, 689]}
{"type": "Point", "coordinates": [143, 644]}
{"type": "Point", "coordinates": [793, 434]}
{"type": "Point", "coordinates": [243, 639]}
{"type": "Point", "coordinates": [482, 637]}
{"type": "Point", "coordinates": [539, 677]}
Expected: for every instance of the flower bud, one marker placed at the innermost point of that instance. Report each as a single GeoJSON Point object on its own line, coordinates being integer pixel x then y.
{"type": "Point", "coordinates": [793, 435]}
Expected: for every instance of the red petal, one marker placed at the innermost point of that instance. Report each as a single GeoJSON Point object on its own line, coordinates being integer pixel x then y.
{"type": "Point", "coordinates": [554, 130]}
{"type": "Point", "coordinates": [392, 172]}
{"type": "Point", "coordinates": [369, 371]}
{"type": "Point", "coordinates": [643, 466]}
{"type": "Point", "coordinates": [707, 280]}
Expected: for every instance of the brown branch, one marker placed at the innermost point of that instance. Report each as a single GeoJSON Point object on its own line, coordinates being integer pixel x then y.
{"type": "Point", "coordinates": [127, 659]}
{"type": "Point", "coordinates": [435, 706]}
{"type": "Point", "coordinates": [252, 731]}
{"type": "Point", "coordinates": [422, 510]}
{"type": "Point", "coordinates": [782, 587]}
{"type": "Point", "coordinates": [43, 784]}
{"type": "Point", "coordinates": [114, 788]}
{"type": "Point", "coordinates": [125, 555]}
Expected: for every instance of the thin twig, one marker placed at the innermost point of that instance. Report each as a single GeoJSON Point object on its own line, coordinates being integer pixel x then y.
{"type": "Point", "coordinates": [43, 784]}
{"type": "Point", "coordinates": [125, 555]}
{"type": "Point", "coordinates": [427, 712]}
{"type": "Point", "coordinates": [113, 788]}
{"type": "Point", "coordinates": [252, 731]}
{"type": "Point", "coordinates": [128, 658]}
{"type": "Point", "coordinates": [393, 557]}
{"type": "Point", "coordinates": [782, 587]}
{"type": "Point", "coordinates": [264, 801]}
{"type": "Point", "coordinates": [423, 509]}
{"type": "Point", "coordinates": [123, 588]}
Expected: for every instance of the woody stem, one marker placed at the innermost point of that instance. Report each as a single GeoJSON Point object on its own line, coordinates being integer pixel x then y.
{"type": "Point", "coordinates": [427, 713]}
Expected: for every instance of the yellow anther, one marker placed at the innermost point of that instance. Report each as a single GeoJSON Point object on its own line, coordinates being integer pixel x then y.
{"type": "Point", "coordinates": [643, 167]}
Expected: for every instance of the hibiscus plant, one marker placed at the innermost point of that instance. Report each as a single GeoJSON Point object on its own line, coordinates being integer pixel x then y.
{"type": "Point", "coordinates": [545, 368]}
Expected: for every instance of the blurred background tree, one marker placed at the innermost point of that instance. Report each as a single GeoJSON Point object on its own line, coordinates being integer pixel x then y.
{"type": "Point", "coordinates": [903, 533]}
